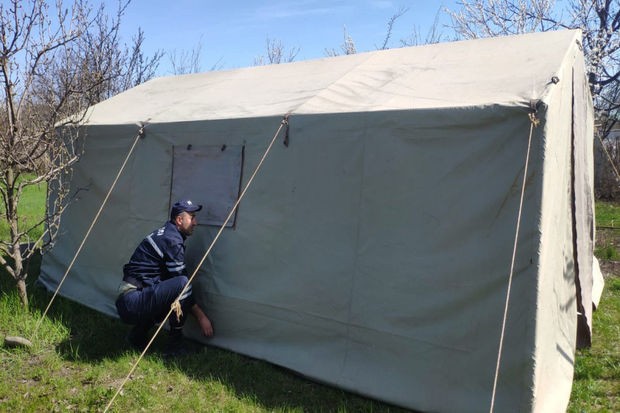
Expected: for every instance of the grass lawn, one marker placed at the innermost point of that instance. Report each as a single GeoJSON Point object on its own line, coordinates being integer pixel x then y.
{"type": "Point", "coordinates": [596, 385]}
{"type": "Point", "coordinates": [31, 209]}
{"type": "Point", "coordinates": [79, 359]}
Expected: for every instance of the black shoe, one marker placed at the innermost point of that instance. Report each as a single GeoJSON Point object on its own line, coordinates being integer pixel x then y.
{"type": "Point", "coordinates": [137, 338]}
{"type": "Point", "coordinates": [176, 348]}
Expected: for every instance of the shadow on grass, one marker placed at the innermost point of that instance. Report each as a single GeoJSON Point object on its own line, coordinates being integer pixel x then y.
{"type": "Point", "coordinates": [94, 337]}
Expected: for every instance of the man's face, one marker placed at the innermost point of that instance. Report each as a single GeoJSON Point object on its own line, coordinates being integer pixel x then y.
{"type": "Point", "coordinates": [186, 221]}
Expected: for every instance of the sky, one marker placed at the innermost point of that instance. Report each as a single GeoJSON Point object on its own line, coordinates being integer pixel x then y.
{"type": "Point", "coordinates": [234, 33]}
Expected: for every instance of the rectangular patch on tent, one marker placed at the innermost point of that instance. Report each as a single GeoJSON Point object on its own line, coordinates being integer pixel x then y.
{"type": "Point", "coordinates": [210, 176]}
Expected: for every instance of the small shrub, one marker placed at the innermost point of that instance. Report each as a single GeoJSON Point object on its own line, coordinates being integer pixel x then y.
{"type": "Point", "coordinates": [607, 252]}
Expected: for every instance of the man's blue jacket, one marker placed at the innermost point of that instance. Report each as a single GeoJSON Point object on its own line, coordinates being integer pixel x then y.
{"type": "Point", "coordinates": [161, 255]}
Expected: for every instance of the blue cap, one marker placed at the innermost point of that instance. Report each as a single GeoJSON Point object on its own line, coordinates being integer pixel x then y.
{"type": "Point", "coordinates": [184, 205]}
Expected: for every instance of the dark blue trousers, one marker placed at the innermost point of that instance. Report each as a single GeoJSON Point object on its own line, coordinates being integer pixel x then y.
{"type": "Point", "coordinates": [143, 308]}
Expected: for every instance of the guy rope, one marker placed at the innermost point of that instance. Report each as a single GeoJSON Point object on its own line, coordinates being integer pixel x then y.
{"type": "Point", "coordinates": [176, 305]}
{"type": "Point", "coordinates": [534, 121]}
{"type": "Point", "coordinates": [609, 158]}
{"type": "Point", "coordinates": [139, 135]}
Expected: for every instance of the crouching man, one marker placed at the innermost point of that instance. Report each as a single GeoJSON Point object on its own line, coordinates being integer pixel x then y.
{"type": "Point", "coordinates": [153, 279]}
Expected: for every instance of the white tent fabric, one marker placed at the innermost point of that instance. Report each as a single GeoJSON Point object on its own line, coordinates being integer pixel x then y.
{"type": "Point", "coordinates": [373, 251]}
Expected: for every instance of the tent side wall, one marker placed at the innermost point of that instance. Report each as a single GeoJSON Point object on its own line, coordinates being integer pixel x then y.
{"type": "Point", "coordinates": [566, 256]}
{"type": "Point", "coordinates": [590, 281]}
{"type": "Point", "coordinates": [376, 243]}
{"type": "Point", "coordinates": [380, 242]}
{"type": "Point", "coordinates": [556, 315]}
{"type": "Point", "coordinates": [139, 203]}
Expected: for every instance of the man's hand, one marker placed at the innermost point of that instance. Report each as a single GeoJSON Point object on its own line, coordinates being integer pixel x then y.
{"type": "Point", "coordinates": [203, 320]}
{"type": "Point", "coordinates": [205, 325]}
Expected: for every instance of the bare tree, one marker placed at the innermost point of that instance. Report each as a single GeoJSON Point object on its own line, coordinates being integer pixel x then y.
{"type": "Point", "coordinates": [276, 54]}
{"type": "Point", "coordinates": [184, 62]}
{"type": "Point", "coordinates": [138, 68]}
{"type": "Point", "coordinates": [347, 47]}
{"type": "Point", "coordinates": [598, 19]}
{"type": "Point", "coordinates": [433, 35]}
{"type": "Point", "coordinates": [390, 26]}
{"type": "Point", "coordinates": [55, 61]}
{"type": "Point", "coordinates": [488, 18]}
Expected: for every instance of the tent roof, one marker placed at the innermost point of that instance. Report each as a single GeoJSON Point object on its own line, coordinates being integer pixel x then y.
{"type": "Point", "coordinates": [509, 70]}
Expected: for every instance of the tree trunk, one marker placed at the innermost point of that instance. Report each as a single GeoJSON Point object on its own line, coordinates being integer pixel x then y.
{"type": "Point", "coordinates": [12, 218]}
{"type": "Point", "coordinates": [21, 291]}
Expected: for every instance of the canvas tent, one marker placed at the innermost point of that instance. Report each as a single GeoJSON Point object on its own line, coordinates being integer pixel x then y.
{"type": "Point", "coordinates": [373, 250]}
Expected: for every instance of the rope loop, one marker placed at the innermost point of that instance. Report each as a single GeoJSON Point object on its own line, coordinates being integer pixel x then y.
{"type": "Point", "coordinates": [534, 103]}
{"type": "Point", "coordinates": [535, 121]}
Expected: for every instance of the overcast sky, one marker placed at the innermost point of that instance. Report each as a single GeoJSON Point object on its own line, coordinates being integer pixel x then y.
{"type": "Point", "coordinates": [234, 33]}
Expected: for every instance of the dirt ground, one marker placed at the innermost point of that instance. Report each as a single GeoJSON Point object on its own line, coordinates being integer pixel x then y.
{"type": "Point", "coordinates": [610, 268]}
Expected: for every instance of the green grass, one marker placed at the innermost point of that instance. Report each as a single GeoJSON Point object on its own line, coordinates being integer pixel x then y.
{"type": "Point", "coordinates": [31, 210]}
{"type": "Point", "coordinates": [79, 359]}
{"type": "Point", "coordinates": [607, 214]}
{"type": "Point", "coordinates": [608, 232]}
{"type": "Point", "coordinates": [607, 252]}
{"type": "Point", "coordinates": [596, 386]}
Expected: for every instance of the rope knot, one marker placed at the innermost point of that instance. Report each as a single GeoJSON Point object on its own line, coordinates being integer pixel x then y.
{"type": "Point", "coordinates": [534, 103]}
{"type": "Point", "coordinates": [176, 307]}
